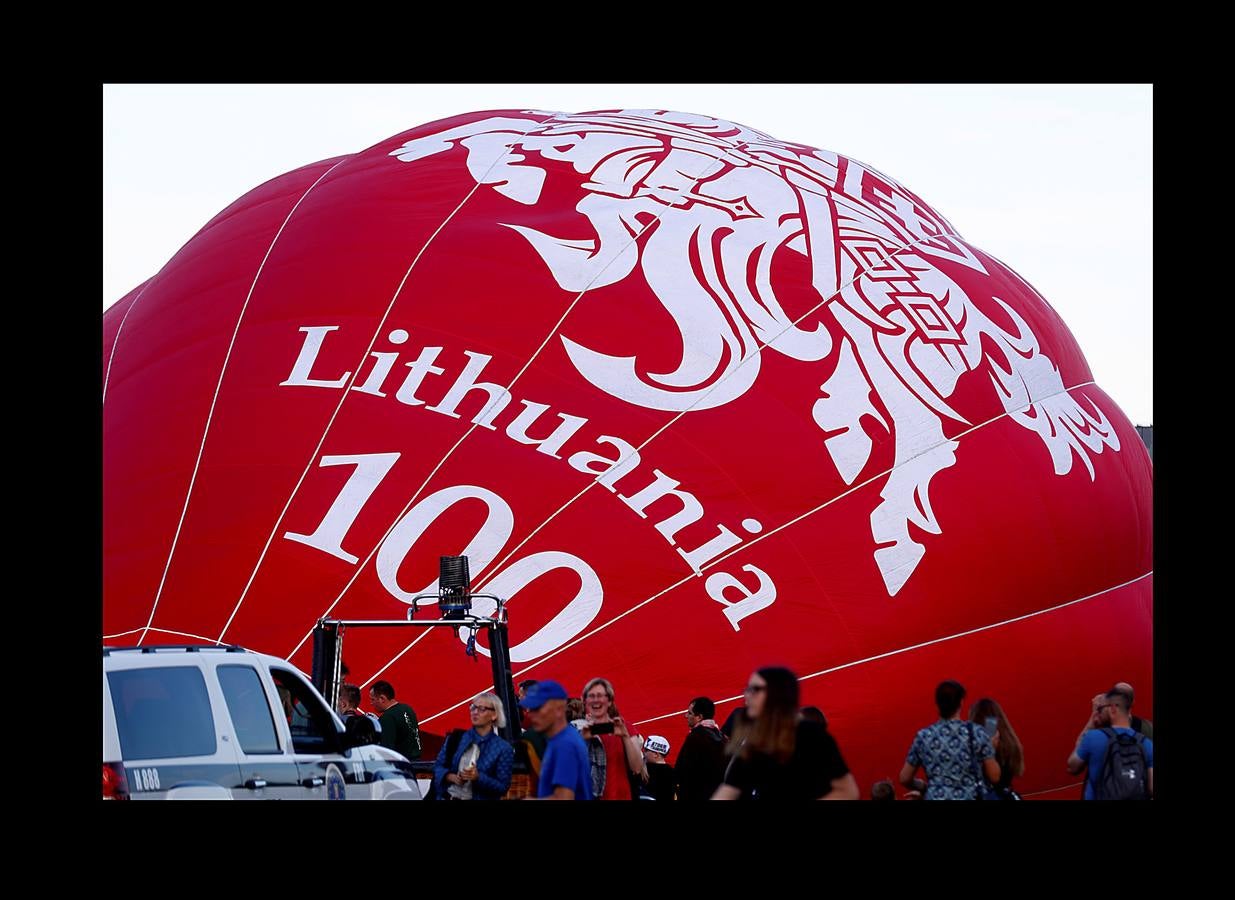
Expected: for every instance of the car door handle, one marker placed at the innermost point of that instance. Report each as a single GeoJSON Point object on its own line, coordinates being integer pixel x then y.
{"type": "Point", "coordinates": [314, 781]}
{"type": "Point", "coordinates": [255, 784]}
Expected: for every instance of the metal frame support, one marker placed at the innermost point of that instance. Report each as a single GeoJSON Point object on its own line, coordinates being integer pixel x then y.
{"type": "Point", "coordinates": [328, 653]}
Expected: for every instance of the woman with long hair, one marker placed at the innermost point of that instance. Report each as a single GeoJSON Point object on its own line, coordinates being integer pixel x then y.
{"type": "Point", "coordinates": [1008, 750]}
{"type": "Point", "coordinates": [777, 755]}
{"type": "Point", "coordinates": [478, 764]}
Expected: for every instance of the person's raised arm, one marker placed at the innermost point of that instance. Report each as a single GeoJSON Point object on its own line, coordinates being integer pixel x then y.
{"type": "Point", "coordinates": [633, 748]}
{"type": "Point", "coordinates": [1077, 761]}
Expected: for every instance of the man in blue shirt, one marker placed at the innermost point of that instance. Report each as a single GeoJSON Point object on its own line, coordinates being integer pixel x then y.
{"type": "Point", "coordinates": [565, 773]}
{"type": "Point", "coordinates": [1090, 752]}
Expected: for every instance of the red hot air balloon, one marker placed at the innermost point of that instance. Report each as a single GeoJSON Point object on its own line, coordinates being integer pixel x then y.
{"type": "Point", "coordinates": [694, 399]}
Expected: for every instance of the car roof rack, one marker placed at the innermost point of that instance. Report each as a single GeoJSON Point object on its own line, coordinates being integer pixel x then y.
{"type": "Point", "coordinates": [184, 648]}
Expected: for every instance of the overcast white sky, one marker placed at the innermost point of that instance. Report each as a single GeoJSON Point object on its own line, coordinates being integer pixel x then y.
{"type": "Point", "coordinates": [1055, 180]}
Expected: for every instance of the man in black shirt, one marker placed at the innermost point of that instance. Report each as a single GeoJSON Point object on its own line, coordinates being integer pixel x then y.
{"type": "Point", "coordinates": [701, 762]}
{"type": "Point", "coordinates": [400, 730]}
{"type": "Point", "coordinates": [1144, 726]}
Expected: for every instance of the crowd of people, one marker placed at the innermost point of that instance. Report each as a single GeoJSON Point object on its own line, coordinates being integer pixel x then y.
{"type": "Point", "coordinates": [769, 748]}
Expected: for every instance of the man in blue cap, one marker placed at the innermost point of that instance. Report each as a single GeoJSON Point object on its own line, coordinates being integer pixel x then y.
{"type": "Point", "coordinates": [565, 773]}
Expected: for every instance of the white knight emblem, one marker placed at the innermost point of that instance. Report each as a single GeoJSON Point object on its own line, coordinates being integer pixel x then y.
{"type": "Point", "coordinates": [664, 188]}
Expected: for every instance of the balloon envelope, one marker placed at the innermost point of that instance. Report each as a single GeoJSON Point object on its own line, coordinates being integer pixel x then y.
{"type": "Point", "coordinates": [693, 399]}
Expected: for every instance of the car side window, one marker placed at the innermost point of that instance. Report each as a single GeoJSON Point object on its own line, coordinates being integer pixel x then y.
{"type": "Point", "coordinates": [313, 730]}
{"type": "Point", "coordinates": [249, 708]}
{"type": "Point", "coordinates": [162, 712]}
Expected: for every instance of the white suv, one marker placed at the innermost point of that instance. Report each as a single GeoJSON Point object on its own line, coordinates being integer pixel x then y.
{"type": "Point", "coordinates": [201, 722]}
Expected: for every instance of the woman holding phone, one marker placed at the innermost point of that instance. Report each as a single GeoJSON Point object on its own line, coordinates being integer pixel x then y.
{"type": "Point", "coordinates": [616, 754]}
{"type": "Point", "coordinates": [1008, 750]}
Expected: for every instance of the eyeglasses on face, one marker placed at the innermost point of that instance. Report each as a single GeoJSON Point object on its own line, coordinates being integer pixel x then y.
{"type": "Point", "coordinates": [756, 688]}
{"type": "Point", "coordinates": [478, 706]}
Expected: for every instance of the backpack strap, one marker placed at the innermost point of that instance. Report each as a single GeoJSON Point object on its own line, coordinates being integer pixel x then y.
{"type": "Point", "coordinates": [1114, 737]}
{"type": "Point", "coordinates": [436, 791]}
{"type": "Point", "coordinates": [1112, 741]}
{"type": "Point", "coordinates": [452, 745]}
{"type": "Point", "coordinates": [1140, 745]}
{"type": "Point", "coordinates": [973, 758]}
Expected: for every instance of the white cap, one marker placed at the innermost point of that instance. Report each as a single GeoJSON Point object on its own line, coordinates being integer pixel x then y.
{"type": "Point", "coordinates": [656, 744]}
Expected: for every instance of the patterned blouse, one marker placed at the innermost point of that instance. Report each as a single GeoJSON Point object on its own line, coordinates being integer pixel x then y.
{"type": "Point", "coordinates": [943, 751]}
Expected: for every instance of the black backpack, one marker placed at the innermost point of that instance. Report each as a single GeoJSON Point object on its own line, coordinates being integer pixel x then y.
{"type": "Point", "coordinates": [361, 728]}
{"type": "Point", "coordinates": [452, 744]}
{"type": "Point", "coordinates": [1124, 770]}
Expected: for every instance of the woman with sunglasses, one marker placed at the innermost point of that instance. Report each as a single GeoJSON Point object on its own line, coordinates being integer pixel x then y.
{"type": "Point", "coordinates": [779, 756]}
{"type": "Point", "coordinates": [478, 765]}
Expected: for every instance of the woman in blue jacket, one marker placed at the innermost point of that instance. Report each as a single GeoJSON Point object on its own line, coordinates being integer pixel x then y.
{"type": "Point", "coordinates": [480, 761]}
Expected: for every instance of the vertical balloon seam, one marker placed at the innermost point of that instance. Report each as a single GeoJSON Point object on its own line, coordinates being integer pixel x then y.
{"type": "Point", "coordinates": [116, 340]}
{"type": "Point", "coordinates": [718, 560]}
{"type": "Point", "coordinates": [480, 416]}
{"type": "Point", "coordinates": [107, 377]}
{"type": "Point", "coordinates": [144, 287]}
{"type": "Point", "coordinates": [150, 281]}
{"type": "Point", "coordinates": [215, 399]}
{"type": "Point", "coordinates": [346, 391]}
